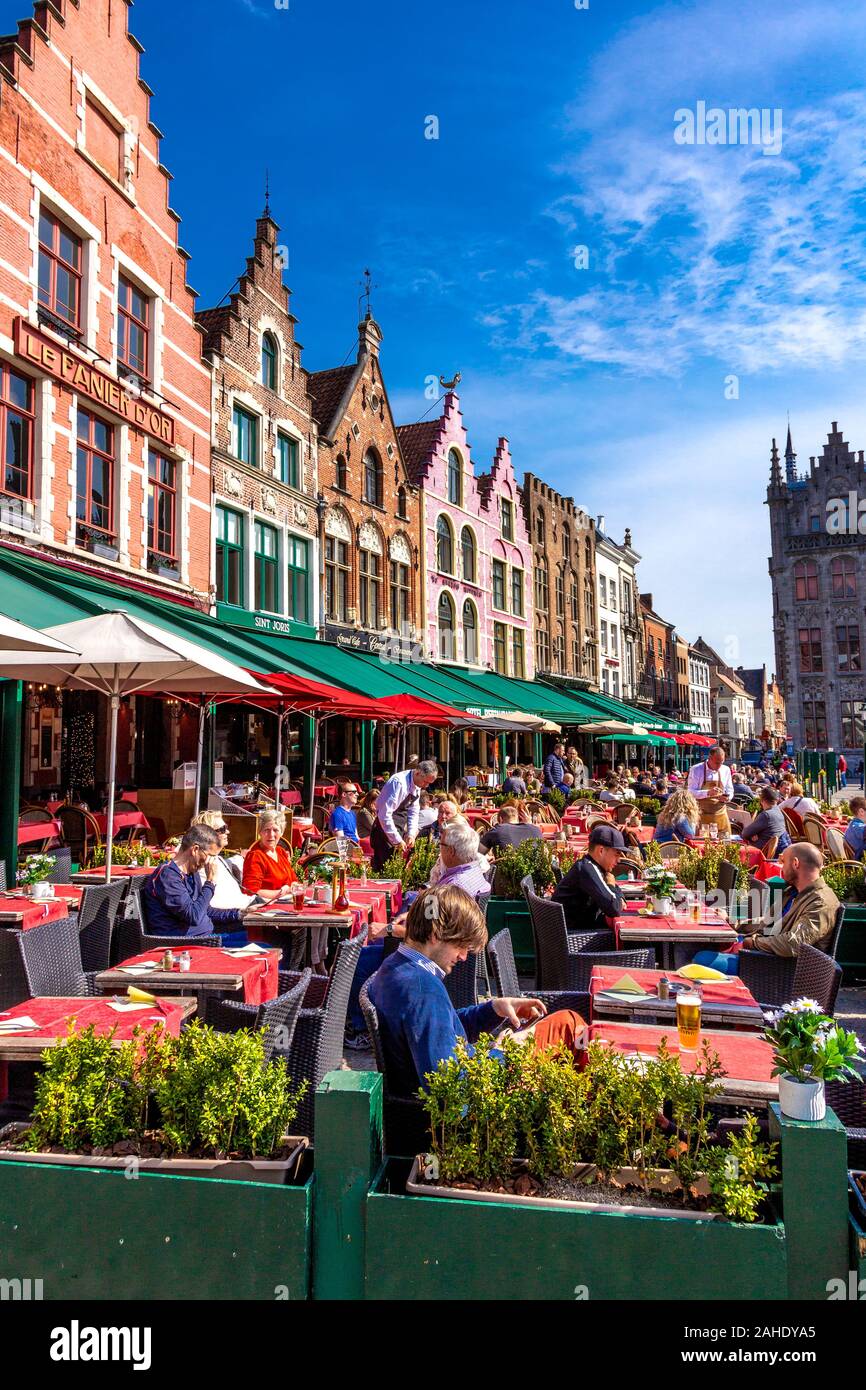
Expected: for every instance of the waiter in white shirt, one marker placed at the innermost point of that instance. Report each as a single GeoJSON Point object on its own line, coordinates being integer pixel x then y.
{"type": "Point", "coordinates": [712, 786]}
{"type": "Point", "coordinates": [397, 808]}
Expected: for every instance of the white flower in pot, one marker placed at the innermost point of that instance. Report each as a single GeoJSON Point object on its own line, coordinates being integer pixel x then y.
{"type": "Point", "coordinates": [34, 873]}
{"type": "Point", "coordinates": [809, 1048]}
{"type": "Point", "coordinates": [661, 882]}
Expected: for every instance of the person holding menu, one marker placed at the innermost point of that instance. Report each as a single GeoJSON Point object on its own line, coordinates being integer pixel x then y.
{"type": "Point", "coordinates": [712, 786]}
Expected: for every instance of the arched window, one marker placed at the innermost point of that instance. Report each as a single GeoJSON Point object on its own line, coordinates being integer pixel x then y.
{"type": "Point", "coordinates": [446, 627]}
{"type": "Point", "coordinates": [455, 478]}
{"type": "Point", "coordinates": [401, 504]}
{"type": "Point", "coordinates": [269, 361]}
{"type": "Point", "coordinates": [341, 473]}
{"type": "Point", "coordinates": [843, 575]}
{"type": "Point", "coordinates": [467, 547]}
{"type": "Point", "coordinates": [444, 546]}
{"type": "Point", "coordinates": [566, 543]}
{"type": "Point", "coordinates": [470, 633]}
{"type": "Point", "coordinates": [805, 580]}
{"type": "Point", "coordinates": [372, 478]}
{"type": "Point", "coordinates": [539, 526]}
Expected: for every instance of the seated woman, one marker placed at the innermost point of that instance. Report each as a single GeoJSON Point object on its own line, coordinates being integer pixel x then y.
{"type": "Point", "coordinates": [227, 882]}
{"type": "Point", "coordinates": [365, 814]}
{"type": "Point", "coordinates": [678, 818]}
{"type": "Point", "coordinates": [769, 822]}
{"type": "Point", "coordinates": [268, 873]}
{"type": "Point", "coordinates": [798, 803]}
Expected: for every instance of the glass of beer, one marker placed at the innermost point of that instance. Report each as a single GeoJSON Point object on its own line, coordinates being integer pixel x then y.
{"type": "Point", "coordinates": [697, 907]}
{"type": "Point", "coordinates": [688, 1020]}
{"type": "Point", "coordinates": [299, 894]}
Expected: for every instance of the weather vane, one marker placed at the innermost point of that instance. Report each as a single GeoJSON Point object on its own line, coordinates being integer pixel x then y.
{"type": "Point", "coordinates": [449, 385]}
{"type": "Point", "coordinates": [366, 292]}
{"type": "Point", "coordinates": [267, 211]}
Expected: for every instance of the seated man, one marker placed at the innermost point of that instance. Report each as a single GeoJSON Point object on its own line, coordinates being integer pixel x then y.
{"type": "Point", "coordinates": [515, 783]}
{"type": "Point", "coordinates": [176, 902]}
{"type": "Point", "coordinates": [769, 823]}
{"type": "Point", "coordinates": [807, 916]}
{"type": "Point", "coordinates": [588, 892]}
{"type": "Point", "coordinates": [459, 860]}
{"type": "Point", "coordinates": [612, 794]}
{"type": "Point", "coordinates": [343, 815]}
{"type": "Point", "coordinates": [418, 1024]}
{"type": "Point", "coordinates": [508, 831]}
{"type": "Point", "coordinates": [428, 814]}
{"type": "Point", "coordinates": [855, 834]}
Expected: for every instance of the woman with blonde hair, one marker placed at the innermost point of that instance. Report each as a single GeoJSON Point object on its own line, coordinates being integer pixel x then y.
{"type": "Point", "coordinates": [227, 890]}
{"type": "Point", "coordinates": [678, 818]}
{"type": "Point", "coordinates": [269, 874]}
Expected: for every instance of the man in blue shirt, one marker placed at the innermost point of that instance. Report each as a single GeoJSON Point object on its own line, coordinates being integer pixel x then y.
{"type": "Point", "coordinates": [554, 770]}
{"type": "Point", "coordinates": [855, 835]}
{"type": "Point", "coordinates": [418, 1024]}
{"type": "Point", "coordinates": [343, 816]}
{"type": "Point", "coordinates": [176, 902]}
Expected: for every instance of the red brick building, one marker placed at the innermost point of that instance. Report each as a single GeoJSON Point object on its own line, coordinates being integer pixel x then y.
{"type": "Point", "coordinates": [104, 399]}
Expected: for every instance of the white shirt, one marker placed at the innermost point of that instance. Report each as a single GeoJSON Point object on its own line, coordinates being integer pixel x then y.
{"type": "Point", "coordinates": [390, 798]}
{"type": "Point", "coordinates": [701, 774]}
{"type": "Point", "coordinates": [803, 805]}
{"type": "Point", "coordinates": [227, 891]}
{"type": "Point", "coordinates": [428, 815]}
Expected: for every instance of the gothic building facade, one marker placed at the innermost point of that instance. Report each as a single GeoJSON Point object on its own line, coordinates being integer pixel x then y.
{"type": "Point", "coordinates": [818, 573]}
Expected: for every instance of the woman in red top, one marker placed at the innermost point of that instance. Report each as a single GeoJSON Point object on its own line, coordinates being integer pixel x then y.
{"type": "Point", "coordinates": [268, 868]}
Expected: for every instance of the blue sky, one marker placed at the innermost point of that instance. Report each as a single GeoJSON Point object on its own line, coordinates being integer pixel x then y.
{"type": "Point", "coordinates": [556, 131]}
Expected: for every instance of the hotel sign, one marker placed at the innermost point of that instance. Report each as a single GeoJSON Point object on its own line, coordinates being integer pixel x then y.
{"type": "Point", "coordinates": [73, 371]}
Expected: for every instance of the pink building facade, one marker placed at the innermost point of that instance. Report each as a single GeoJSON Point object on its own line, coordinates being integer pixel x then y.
{"type": "Point", "coordinates": [477, 577]}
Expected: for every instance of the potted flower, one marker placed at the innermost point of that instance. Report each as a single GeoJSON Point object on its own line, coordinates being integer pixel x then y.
{"type": "Point", "coordinates": [662, 882]}
{"type": "Point", "coordinates": [809, 1048]}
{"type": "Point", "coordinates": [34, 874]}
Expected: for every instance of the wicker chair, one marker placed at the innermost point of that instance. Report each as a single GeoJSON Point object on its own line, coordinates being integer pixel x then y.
{"type": "Point", "coordinates": [505, 984]}
{"type": "Point", "coordinates": [556, 948]}
{"type": "Point", "coordinates": [794, 824]}
{"type": "Point", "coordinates": [818, 977]}
{"type": "Point", "coordinates": [132, 938]}
{"type": "Point", "coordinates": [835, 843]}
{"type": "Point", "coordinates": [813, 829]}
{"type": "Point", "coordinates": [96, 920]}
{"type": "Point", "coordinates": [772, 979]}
{"type": "Point", "coordinates": [45, 960]}
{"type": "Point", "coordinates": [670, 849]}
{"type": "Point", "coordinates": [769, 849]}
{"type": "Point", "coordinates": [622, 813]}
{"type": "Point", "coordinates": [636, 959]}
{"type": "Point", "coordinates": [80, 831]}
{"type": "Point", "coordinates": [318, 1043]}
{"type": "Point", "coordinates": [849, 1104]}
{"type": "Point", "coordinates": [278, 1017]}
{"type": "Point", "coordinates": [462, 982]}
{"type": "Point", "coordinates": [406, 1129]}
{"type": "Point", "coordinates": [332, 846]}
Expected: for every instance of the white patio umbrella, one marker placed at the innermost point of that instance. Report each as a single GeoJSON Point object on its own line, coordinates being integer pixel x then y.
{"type": "Point", "coordinates": [613, 726]}
{"type": "Point", "coordinates": [116, 654]}
{"type": "Point", "coordinates": [17, 637]}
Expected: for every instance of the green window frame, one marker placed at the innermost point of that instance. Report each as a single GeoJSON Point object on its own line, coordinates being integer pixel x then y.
{"type": "Point", "coordinates": [298, 578]}
{"type": "Point", "coordinates": [498, 585]}
{"type": "Point", "coordinates": [269, 361]}
{"type": "Point", "coordinates": [288, 459]}
{"type": "Point", "coordinates": [230, 557]}
{"type": "Point", "coordinates": [266, 569]}
{"type": "Point", "coordinates": [500, 650]}
{"type": "Point", "coordinates": [518, 654]}
{"type": "Point", "coordinates": [246, 427]}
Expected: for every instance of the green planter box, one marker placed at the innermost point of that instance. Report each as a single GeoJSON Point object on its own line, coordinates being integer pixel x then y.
{"type": "Point", "coordinates": [430, 1248]}
{"type": "Point", "coordinates": [513, 914]}
{"type": "Point", "coordinates": [95, 1234]}
{"type": "Point", "coordinates": [851, 952]}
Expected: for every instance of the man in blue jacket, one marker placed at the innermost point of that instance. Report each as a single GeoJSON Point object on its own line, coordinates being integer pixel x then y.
{"type": "Point", "coordinates": [177, 903]}
{"type": "Point", "coordinates": [418, 1024]}
{"type": "Point", "coordinates": [554, 770]}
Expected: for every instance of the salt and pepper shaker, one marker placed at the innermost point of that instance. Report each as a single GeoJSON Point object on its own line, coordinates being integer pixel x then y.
{"type": "Point", "coordinates": [664, 987]}
{"type": "Point", "coordinates": [184, 961]}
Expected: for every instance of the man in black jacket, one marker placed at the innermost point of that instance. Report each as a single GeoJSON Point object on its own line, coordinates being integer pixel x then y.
{"type": "Point", "coordinates": [588, 892]}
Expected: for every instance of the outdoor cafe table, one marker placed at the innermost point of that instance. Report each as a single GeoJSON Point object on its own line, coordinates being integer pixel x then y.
{"type": "Point", "coordinates": [292, 797]}
{"type": "Point", "coordinates": [83, 877]}
{"type": "Point", "coordinates": [746, 1057]}
{"type": "Point", "coordinates": [725, 1001]}
{"type": "Point", "coordinates": [30, 834]}
{"type": "Point", "coordinates": [54, 1015]}
{"type": "Point", "coordinates": [122, 820]}
{"type": "Point", "coordinates": [265, 923]}
{"type": "Point", "coordinates": [19, 910]}
{"type": "Point", "coordinates": [254, 977]}
{"type": "Point", "coordinates": [675, 930]}
{"type": "Point", "coordinates": [386, 885]}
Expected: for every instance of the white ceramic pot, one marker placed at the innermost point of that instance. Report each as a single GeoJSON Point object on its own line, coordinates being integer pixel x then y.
{"type": "Point", "coordinates": [663, 906]}
{"type": "Point", "coordinates": [41, 890]}
{"type": "Point", "coordinates": [802, 1100]}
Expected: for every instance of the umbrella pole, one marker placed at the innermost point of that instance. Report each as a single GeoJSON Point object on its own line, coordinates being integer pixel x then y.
{"type": "Point", "coordinates": [315, 760]}
{"type": "Point", "coordinates": [448, 760]}
{"type": "Point", "coordinates": [199, 752]}
{"type": "Point", "coordinates": [112, 778]}
{"type": "Point", "coordinates": [278, 777]}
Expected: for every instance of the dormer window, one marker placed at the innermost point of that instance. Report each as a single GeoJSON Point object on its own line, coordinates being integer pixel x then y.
{"type": "Point", "coordinates": [269, 361]}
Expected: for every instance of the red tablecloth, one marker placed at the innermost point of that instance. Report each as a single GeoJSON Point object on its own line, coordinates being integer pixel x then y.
{"type": "Point", "coordinates": [122, 819]}
{"type": "Point", "coordinates": [326, 789]}
{"type": "Point", "coordinates": [259, 972]}
{"type": "Point", "coordinates": [117, 871]}
{"type": "Point", "coordinates": [394, 887]}
{"type": "Point", "coordinates": [579, 818]}
{"type": "Point", "coordinates": [711, 919]}
{"type": "Point", "coordinates": [745, 1056]}
{"type": "Point", "coordinates": [55, 1015]}
{"type": "Point", "coordinates": [735, 992]}
{"type": "Point", "coordinates": [369, 896]}
{"type": "Point", "coordinates": [768, 868]}
{"type": "Point", "coordinates": [291, 797]}
{"type": "Point", "coordinates": [42, 830]}
{"type": "Point", "coordinates": [66, 899]}
{"type": "Point", "coordinates": [300, 832]}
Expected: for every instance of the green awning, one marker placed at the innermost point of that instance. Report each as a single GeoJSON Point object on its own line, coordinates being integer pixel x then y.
{"type": "Point", "coordinates": [635, 738]}
{"type": "Point", "coordinates": [530, 697]}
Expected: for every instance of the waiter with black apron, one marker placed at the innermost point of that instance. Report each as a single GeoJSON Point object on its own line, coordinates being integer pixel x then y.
{"type": "Point", "coordinates": [397, 807]}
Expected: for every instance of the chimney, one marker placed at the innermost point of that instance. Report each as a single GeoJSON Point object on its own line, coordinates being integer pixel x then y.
{"type": "Point", "coordinates": [599, 522]}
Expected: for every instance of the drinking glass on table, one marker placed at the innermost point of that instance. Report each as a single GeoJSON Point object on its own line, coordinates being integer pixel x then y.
{"type": "Point", "coordinates": [299, 894]}
{"type": "Point", "coordinates": [688, 1020]}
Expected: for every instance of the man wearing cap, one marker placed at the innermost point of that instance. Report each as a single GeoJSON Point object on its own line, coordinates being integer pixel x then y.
{"type": "Point", "coordinates": [343, 815]}
{"type": "Point", "coordinates": [588, 892]}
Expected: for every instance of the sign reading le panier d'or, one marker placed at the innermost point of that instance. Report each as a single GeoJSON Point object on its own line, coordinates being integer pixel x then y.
{"type": "Point", "coordinates": [51, 357]}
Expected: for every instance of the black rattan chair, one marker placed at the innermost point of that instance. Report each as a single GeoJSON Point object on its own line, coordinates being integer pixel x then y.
{"type": "Point", "coordinates": [407, 1131]}
{"type": "Point", "coordinates": [727, 880]}
{"type": "Point", "coordinates": [771, 979]}
{"type": "Point", "coordinates": [2, 875]}
{"type": "Point", "coordinates": [96, 922]}
{"type": "Point", "coordinates": [279, 1017]}
{"type": "Point", "coordinates": [50, 959]}
{"type": "Point", "coordinates": [818, 977]}
{"type": "Point", "coordinates": [505, 984]}
{"type": "Point", "coordinates": [848, 1101]}
{"type": "Point", "coordinates": [62, 871]}
{"type": "Point", "coordinates": [131, 936]}
{"type": "Point", "coordinates": [462, 982]}
{"type": "Point", "coordinates": [318, 1042]}
{"type": "Point", "coordinates": [555, 946]}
